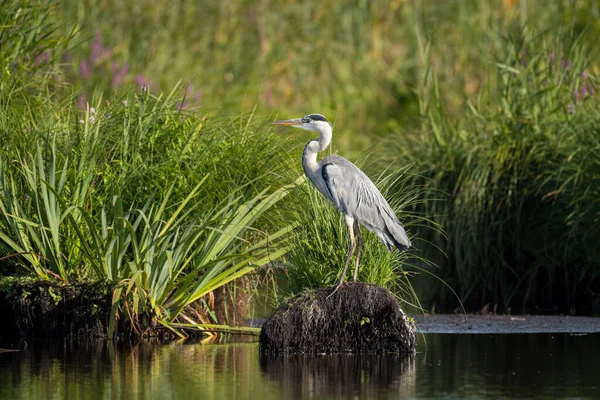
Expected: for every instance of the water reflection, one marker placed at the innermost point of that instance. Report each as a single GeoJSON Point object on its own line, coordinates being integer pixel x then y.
{"type": "Point", "coordinates": [342, 374]}
{"type": "Point", "coordinates": [475, 366]}
{"type": "Point", "coordinates": [145, 370]}
{"type": "Point", "coordinates": [509, 366]}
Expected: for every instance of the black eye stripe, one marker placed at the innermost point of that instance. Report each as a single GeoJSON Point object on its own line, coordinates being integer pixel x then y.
{"type": "Point", "coordinates": [314, 117]}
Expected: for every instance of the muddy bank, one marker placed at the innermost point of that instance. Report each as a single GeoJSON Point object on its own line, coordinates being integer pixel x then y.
{"type": "Point", "coordinates": [38, 308]}
{"type": "Point", "coordinates": [503, 324]}
{"type": "Point", "coordinates": [33, 308]}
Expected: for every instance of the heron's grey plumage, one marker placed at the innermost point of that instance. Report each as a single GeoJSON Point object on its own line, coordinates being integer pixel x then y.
{"type": "Point", "coordinates": [354, 194]}
{"type": "Point", "coordinates": [350, 190]}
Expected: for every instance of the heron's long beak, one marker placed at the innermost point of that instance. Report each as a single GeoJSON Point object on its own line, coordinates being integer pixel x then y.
{"type": "Point", "coordinates": [296, 122]}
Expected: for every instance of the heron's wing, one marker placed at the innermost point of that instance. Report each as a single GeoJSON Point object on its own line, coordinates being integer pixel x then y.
{"type": "Point", "coordinates": [356, 195]}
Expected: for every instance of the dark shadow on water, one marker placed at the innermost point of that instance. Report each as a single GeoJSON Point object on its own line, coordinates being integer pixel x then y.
{"type": "Point", "coordinates": [334, 375]}
{"type": "Point", "coordinates": [508, 366]}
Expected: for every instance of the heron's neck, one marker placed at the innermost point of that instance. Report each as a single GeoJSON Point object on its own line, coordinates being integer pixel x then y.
{"type": "Point", "coordinates": [309, 158]}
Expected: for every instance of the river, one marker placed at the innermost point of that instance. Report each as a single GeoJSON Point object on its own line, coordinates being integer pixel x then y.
{"type": "Point", "coordinates": [445, 366]}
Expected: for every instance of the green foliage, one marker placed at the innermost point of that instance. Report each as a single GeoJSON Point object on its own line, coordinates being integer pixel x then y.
{"type": "Point", "coordinates": [501, 132]}
{"type": "Point", "coordinates": [43, 211]}
{"type": "Point", "coordinates": [166, 205]}
{"type": "Point", "coordinates": [163, 255]}
{"type": "Point", "coordinates": [177, 262]}
{"type": "Point", "coordinates": [521, 172]}
{"type": "Point", "coordinates": [30, 49]}
{"type": "Point", "coordinates": [356, 61]}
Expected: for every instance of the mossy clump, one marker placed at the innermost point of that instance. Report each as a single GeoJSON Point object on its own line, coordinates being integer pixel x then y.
{"type": "Point", "coordinates": [359, 318]}
{"type": "Point", "coordinates": [37, 308]}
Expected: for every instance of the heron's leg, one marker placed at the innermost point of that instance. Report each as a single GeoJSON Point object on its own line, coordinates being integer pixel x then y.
{"type": "Point", "coordinates": [351, 247]}
{"type": "Point", "coordinates": [360, 245]}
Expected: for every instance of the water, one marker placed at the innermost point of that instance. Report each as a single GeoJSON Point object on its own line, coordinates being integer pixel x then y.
{"type": "Point", "coordinates": [447, 365]}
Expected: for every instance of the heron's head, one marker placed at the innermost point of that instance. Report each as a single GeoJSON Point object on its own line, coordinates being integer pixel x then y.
{"type": "Point", "coordinates": [310, 122]}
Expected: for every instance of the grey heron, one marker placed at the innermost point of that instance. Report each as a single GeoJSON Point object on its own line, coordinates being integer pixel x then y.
{"type": "Point", "coordinates": [350, 190]}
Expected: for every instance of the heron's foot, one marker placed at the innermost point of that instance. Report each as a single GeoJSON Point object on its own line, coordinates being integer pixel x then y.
{"type": "Point", "coordinates": [335, 289]}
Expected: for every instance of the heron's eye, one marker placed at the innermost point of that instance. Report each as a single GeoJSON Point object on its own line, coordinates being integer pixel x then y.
{"type": "Point", "coordinates": [305, 120]}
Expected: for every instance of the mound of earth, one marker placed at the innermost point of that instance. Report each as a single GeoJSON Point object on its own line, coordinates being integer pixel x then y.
{"type": "Point", "coordinates": [38, 308]}
{"type": "Point", "coordinates": [359, 318]}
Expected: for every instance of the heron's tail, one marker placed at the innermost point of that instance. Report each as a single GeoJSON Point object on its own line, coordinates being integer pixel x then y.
{"type": "Point", "coordinates": [394, 236]}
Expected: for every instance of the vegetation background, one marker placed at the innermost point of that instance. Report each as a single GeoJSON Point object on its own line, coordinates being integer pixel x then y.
{"type": "Point", "coordinates": [135, 134]}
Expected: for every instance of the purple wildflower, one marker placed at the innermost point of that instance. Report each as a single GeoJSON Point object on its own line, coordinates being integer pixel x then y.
{"type": "Point", "coordinates": [197, 96]}
{"type": "Point", "coordinates": [82, 101]}
{"type": "Point", "coordinates": [85, 69]}
{"type": "Point", "coordinates": [96, 46]}
{"type": "Point", "coordinates": [115, 70]}
{"type": "Point", "coordinates": [268, 95]}
{"type": "Point", "coordinates": [142, 82]}
{"type": "Point", "coordinates": [192, 97]}
{"type": "Point", "coordinates": [42, 58]}
{"type": "Point", "coordinates": [252, 15]}
{"type": "Point", "coordinates": [119, 74]}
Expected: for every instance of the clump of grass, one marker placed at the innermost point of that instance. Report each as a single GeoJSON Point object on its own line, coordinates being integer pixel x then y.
{"type": "Point", "coordinates": [521, 185]}
{"type": "Point", "coordinates": [171, 265]}
{"type": "Point", "coordinates": [30, 81]}
{"type": "Point", "coordinates": [64, 217]}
